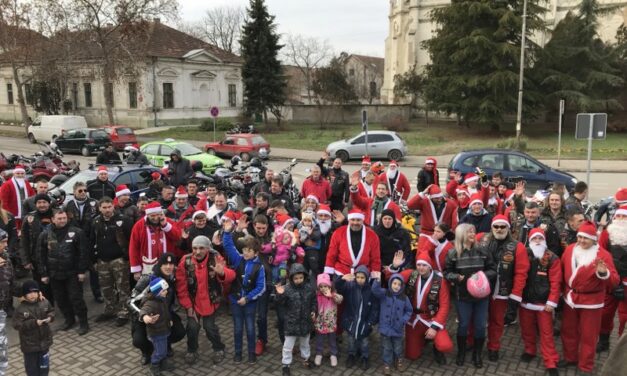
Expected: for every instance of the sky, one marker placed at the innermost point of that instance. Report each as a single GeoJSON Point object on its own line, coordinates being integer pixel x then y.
{"type": "Point", "coordinates": [354, 26]}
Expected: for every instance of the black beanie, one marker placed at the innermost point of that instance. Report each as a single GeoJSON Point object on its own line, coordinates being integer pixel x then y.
{"type": "Point", "coordinates": [29, 286]}
{"type": "Point", "coordinates": [42, 196]}
{"type": "Point", "coordinates": [388, 213]}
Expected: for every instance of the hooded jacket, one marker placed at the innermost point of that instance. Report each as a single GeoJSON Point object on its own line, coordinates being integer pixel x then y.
{"type": "Point", "coordinates": [244, 285]}
{"type": "Point", "coordinates": [395, 308]}
{"type": "Point", "coordinates": [33, 338]}
{"type": "Point", "coordinates": [482, 222]}
{"type": "Point", "coordinates": [179, 171]}
{"type": "Point", "coordinates": [393, 239]}
{"type": "Point", "coordinates": [361, 307]}
{"type": "Point", "coordinates": [326, 319]}
{"type": "Point", "coordinates": [299, 302]}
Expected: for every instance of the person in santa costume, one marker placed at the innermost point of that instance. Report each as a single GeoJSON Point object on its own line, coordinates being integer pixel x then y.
{"type": "Point", "coordinates": [365, 167]}
{"type": "Point", "coordinates": [510, 257]}
{"type": "Point", "coordinates": [353, 245]}
{"type": "Point", "coordinates": [588, 272]}
{"type": "Point", "coordinates": [614, 239]}
{"type": "Point", "coordinates": [366, 186]}
{"type": "Point", "coordinates": [430, 300]}
{"type": "Point", "coordinates": [540, 298]}
{"type": "Point", "coordinates": [438, 245]}
{"type": "Point", "coordinates": [316, 185]}
{"type": "Point", "coordinates": [151, 237]}
{"type": "Point", "coordinates": [470, 182]}
{"type": "Point", "coordinates": [434, 208]}
{"type": "Point", "coordinates": [373, 207]}
{"type": "Point", "coordinates": [13, 192]}
{"type": "Point", "coordinates": [180, 210]}
{"type": "Point", "coordinates": [396, 181]}
{"type": "Point", "coordinates": [428, 174]}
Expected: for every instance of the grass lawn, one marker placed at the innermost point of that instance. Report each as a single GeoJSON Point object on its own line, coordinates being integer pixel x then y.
{"type": "Point", "coordinates": [437, 138]}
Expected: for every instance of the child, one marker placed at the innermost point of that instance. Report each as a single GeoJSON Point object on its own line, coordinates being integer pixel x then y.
{"type": "Point", "coordinates": [284, 245]}
{"type": "Point", "coordinates": [299, 300]}
{"type": "Point", "coordinates": [326, 319]}
{"type": "Point", "coordinates": [7, 275]}
{"type": "Point", "coordinates": [395, 311]}
{"type": "Point", "coordinates": [156, 315]}
{"type": "Point", "coordinates": [32, 320]}
{"type": "Point", "coordinates": [310, 239]}
{"type": "Point", "coordinates": [361, 313]}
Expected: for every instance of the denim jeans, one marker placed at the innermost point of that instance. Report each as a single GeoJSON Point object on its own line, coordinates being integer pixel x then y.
{"type": "Point", "coordinates": [211, 330]}
{"type": "Point", "coordinates": [392, 349]}
{"type": "Point", "coordinates": [477, 310]}
{"type": "Point", "coordinates": [328, 337]}
{"type": "Point", "coordinates": [262, 315]}
{"type": "Point", "coordinates": [160, 348]}
{"type": "Point", "coordinates": [360, 345]}
{"type": "Point", "coordinates": [276, 271]}
{"type": "Point", "coordinates": [37, 363]}
{"type": "Point", "coordinates": [244, 316]}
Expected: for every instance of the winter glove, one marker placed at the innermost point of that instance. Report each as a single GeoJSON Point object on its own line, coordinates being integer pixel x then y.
{"type": "Point", "coordinates": [512, 310]}
{"type": "Point", "coordinates": [619, 292]}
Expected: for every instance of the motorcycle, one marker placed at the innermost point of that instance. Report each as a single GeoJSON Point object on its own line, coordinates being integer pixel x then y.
{"type": "Point", "coordinates": [238, 128]}
{"type": "Point", "coordinates": [289, 186]}
{"type": "Point", "coordinates": [46, 164]}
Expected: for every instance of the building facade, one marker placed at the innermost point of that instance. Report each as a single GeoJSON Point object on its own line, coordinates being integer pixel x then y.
{"type": "Point", "coordinates": [365, 73]}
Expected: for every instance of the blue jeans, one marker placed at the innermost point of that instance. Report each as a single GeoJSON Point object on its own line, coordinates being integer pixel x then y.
{"type": "Point", "coordinates": [160, 348]}
{"type": "Point", "coordinates": [262, 315]}
{"type": "Point", "coordinates": [276, 271]}
{"type": "Point", "coordinates": [244, 316]}
{"type": "Point", "coordinates": [477, 310]}
{"type": "Point", "coordinates": [360, 345]}
{"type": "Point", "coordinates": [392, 349]}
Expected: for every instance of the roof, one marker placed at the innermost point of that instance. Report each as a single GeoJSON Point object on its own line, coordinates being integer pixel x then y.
{"type": "Point", "coordinates": [376, 62]}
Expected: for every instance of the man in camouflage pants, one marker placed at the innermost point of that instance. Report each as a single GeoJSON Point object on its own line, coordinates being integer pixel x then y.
{"type": "Point", "coordinates": [109, 238]}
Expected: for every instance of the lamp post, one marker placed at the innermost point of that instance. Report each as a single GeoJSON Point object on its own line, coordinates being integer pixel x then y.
{"type": "Point", "coordinates": [521, 74]}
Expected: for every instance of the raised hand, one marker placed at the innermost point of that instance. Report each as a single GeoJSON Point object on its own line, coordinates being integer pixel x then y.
{"type": "Point", "coordinates": [228, 225]}
{"type": "Point", "coordinates": [218, 269]}
{"type": "Point", "coordinates": [354, 180]}
{"type": "Point", "coordinates": [338, 217]}
{"type": "Point", "coordinates": [399, 259]}
{"type": "Point", "coordinates": [280, 289]}
{"type": "Point", "coordinates": [601, 266]}
{"type": "Point", "coordinates": [242, 222]}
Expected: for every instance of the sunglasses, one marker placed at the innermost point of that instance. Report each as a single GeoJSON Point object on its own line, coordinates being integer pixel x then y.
{"type": "Point", "coordinates": [497, 227]}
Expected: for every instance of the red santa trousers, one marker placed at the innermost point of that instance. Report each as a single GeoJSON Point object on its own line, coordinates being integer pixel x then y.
{"type": "Point", "coordinates": [610, 306]}
{"type": "Point", "coordinates": [580, 334]}
{"type": "Point", "coordinates": [533, 323]}
{"type": "Point", "coordinates": [496, 322]}
{"type": "Point", "coordinates": [415, 341]}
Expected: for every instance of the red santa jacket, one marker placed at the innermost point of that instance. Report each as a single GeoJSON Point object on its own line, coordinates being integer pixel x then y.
{"type": "Point", "coordinates": [340, 257]}
{"type": "Point", "coordinates": [320, 189]}
{"type": "Point", "coordinates": [10, 197]}
{"type": "Point", "coordinates": [401, 186]}
{"type": "Point", "coordinates": [203, 204]}
{"type": "Point", "coordinates": [361, 188]}
{"type": "Point", "coordinates": [142, 251]}
{"type": "Point", "coordinates": [184, 220]}
{"type": "Point", "coordinates": [437, 251]}
{"type": "Point", "coordinates": [365, 204]}
{"type": "Point", "coordinates": [202, 303]}
{"type": "Point", "coordinates": [583, 288]}
{"type": "Point", "coordinates": [428, 217]}
{"type": "Point", "coordinates": [619, 240]}
{"type": "Point", "coordinates": [521, 266]}
{"type": "Point", "coordinates": [554, 272]}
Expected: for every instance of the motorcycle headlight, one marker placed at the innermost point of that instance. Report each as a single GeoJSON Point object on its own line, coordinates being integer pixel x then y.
{"type": "Point", "coordinates": [573, 180]}
{"type": "Point", "coordinates": [54, 170]}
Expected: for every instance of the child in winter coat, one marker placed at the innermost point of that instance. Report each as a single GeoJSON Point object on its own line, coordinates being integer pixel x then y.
{"type": "Point", "coordinates": [32, 320]}
{"type": "Point", "coordinates": [284, 245]}
{"type": "Point", "coordinates": [326, 319]}
{"type": "Point", "coordinates": [308, 229]}
{"type": "Point", "coordinates": [361, 313]}
{"type": "Point", "coordinates": [395, 311]}
{"type": "Point", "coordinates": [156, 315]}
{"type": "Point", "coordinates": [299, 300]}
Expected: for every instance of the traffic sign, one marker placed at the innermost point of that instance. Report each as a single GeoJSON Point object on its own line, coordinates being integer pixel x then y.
{"type": "Point", "coordinates": [599, 126]}
{"type": "Point", "coordinates": [214, 111]}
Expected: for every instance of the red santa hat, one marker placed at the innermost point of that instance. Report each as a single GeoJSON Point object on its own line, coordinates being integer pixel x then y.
{"type": "Point", "coordinates": [19, 168]}
{"type": "Point", "coordinates": [476, 198]}
{"type": "Point", "coordinates": [122, 190]}
{"type": "Point", "coordinates": [133, 147]}
{"type": "Point", "coordinates": [356, 214]}
{"type": "Point", "coordinates": [324, 209]}
{"type": "Point", "coordinates": [155, 175]}
{"type": "Point", "coordinates": [435, 191]}
{"type": "Point", "coordinates": [431, 160]}
{"type": "Point", "coordinates": [365, 159]}
{"type": "Point", "coordinates": [198, 213]}
{"type": "Point", "coordinates": [181, 192]}
{"type": "Point", "coordinates": [470, 177]}
{"type": "Point", "coordinates": [500, 220]}
{"type": "Point", "coordinates": [588, 230]}
{"type": "Point", "coordinates": [621, 196]}
{"type": "Point", "coordinates": [393, 163]}
{"type": "Point", "coordinates": [424, 259]}
{"type": "Point", "coordinates": [622, 210]}
{"type": "Point", "coordinates": [462, 189]}
{"type": "Point", "coordinates": [283, 219]}
{"type": "Point", "coordinates": [153, 208]}
{"type": "Point", "coordinates": [509, 194]}
{"type": "Point", "coordinates": [537, 232]}
{"type": "Point", "coordinates": [232, 215]}
{"type": "Point", "coordinates": [312, 197]}
{"type": "Point", "coordinates": [102, 169]}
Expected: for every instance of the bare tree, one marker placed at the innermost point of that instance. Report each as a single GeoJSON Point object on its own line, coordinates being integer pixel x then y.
{"type": "Point", "coordinates": [306, 54]}
{"type": "Point", "coordinates": [221, 27]}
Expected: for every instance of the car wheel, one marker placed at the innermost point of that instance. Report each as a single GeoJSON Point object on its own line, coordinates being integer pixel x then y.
{"type": "Point", "coordinates": [85, 151]}
{"type": "Point", "coordinates": [342, 154]}
{"type": "Point", "coordinates": [245, 157]}
{"type": "Point", "coordinates": [31, 138]}
{"type": "Point", "coordinates": [395, 155]}
{"type": "Point", "coordinates": [211, 151]}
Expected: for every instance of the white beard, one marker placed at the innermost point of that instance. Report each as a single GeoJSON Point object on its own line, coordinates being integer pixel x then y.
{"type": "Point", "coordinates": [392, 173]}
{"type": "Point", "coordinates": [325, 226]}
{"type": "Point", "coordinates": [538, 249]}
{"type": "Point", "coordinates": [20, 182]}
{"type": "Point", "coordinates": [618, 232]}
{"type": "Point", "coordinates": [585, 257]}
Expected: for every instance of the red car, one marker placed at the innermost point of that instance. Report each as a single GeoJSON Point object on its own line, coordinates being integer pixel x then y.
{"type": "Point", "coordinates": [121, 136]}
{"type": "Point", "coordinates": [246, 145]}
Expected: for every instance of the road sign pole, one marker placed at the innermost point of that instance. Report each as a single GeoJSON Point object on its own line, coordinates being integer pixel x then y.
{"type": "Point", "coordinates": [559, 132]}
{"type": "Point", "coordinates": [364, 126]}
{"type": "Point", "coordinates": [589, 149]}
{"type": "Point", "coordinates": [214, 129]}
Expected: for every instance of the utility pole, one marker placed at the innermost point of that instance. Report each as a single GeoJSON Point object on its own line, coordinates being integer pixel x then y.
{"type": "Point", "coordinates": [521, 74]}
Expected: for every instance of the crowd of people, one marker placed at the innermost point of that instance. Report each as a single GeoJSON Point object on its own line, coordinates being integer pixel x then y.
{"type": "Point", "coordinates": [338, 267]}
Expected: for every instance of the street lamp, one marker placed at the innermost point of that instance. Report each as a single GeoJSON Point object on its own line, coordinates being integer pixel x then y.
{"type": "Point", "coordinates": [521, 74]}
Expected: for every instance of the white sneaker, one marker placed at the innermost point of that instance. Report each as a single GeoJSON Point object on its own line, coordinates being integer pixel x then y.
{"type": "Point", "coordinates": [318, 360]}
{"type": "Point", "coordinates": [333, 361]}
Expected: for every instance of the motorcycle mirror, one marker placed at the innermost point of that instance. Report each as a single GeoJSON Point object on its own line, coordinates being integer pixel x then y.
{"type": "Point", "coordinates": [294, 160]}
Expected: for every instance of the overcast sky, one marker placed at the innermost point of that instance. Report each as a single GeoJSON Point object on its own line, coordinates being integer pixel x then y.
{"type": "Point", "coordinates": [355, 26]}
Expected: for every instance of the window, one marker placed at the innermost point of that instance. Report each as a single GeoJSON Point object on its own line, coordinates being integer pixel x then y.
{"type": "Point", "coordinates": [110, 93]}
{"type": "Point", "coordinates": [28, 90]}
{"type": "Point", "coordinates": [359, 140]}
{"type": "Point", "coordinates": [232, 95]}
{"type": "Point", "coordinates": [168, 95]}
{"type": "Point", "coordinates": [151, 149]}
{"type": "Point", "coordinates": [87, 90]}
{"type": "Point", "coordinates": [123, 178]}
{"type": "Point", "coordinates": [380, 138]}
{"type": "Point", "coordinates": [470, 161]}
{"type": "Point", "coordinates": [132, 95]}
{"type": "Point", "coordinates": [141, 178]}
{"type": "Point", "coordinates": [519, 163]}
{"type": "Point", "coordinates": [74, 95]}
{"type": "Point", "coordinates": [124, 131]}
{"type": "Point", "coordinates": [10, 93]}
{"type": "Point", "coordinates": [165, 150]}
{"type": "Point", "coordinates": [99, 134]}
{"type": "Point", "coordinates": [351, 72]}
{"type": "Point", "coordinates": [242, 142]}
{"type": "Point", "coordinates": [373, 90]}
{"type": "Point", "coordinates": [491, 161]}
{"type": "Point", "coordinates": [229, 141]}
{"type": "Point", "coordinates": [258, 140]}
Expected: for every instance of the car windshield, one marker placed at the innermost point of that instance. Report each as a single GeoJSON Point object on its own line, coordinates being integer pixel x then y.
{"type": "Point", "coordinates": [124, 131]}
{"type": "Point", "coordinates": [99, 134]}
{"type": "Point", "coordinates": [187, 149]}
{"type": "Point", "coordinates": [83, 176]}
{"type": "Point", "coordinates": [258, 140]}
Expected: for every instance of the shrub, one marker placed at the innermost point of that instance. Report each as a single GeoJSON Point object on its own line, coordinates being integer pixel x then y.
{"type": "Point", "coordinates": [222, 125]}
{"type": "Point", "coordinates": [512, 143]}
{"type": "Point", "coordinates": [396, 124]}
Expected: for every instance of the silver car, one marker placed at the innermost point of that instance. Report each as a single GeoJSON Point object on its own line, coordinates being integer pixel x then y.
{"type": "Point", "coordinates": [381, 144]}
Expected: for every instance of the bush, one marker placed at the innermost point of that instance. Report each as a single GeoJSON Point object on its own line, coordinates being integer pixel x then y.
{"type": "Point", "coordinates": [512, 143]}
{"type": "Point", "coordinates": [396, 124]}
{"type": "Point", "coordinates": [222, 125]}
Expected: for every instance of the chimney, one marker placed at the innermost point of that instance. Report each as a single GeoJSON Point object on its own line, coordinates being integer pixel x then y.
{"type": "Point", "coordinates": [156, 20]}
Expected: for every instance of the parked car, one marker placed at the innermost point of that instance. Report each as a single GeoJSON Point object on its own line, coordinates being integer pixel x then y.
{"type": "Point", "coordinates": [135, 177]}
{"type": "Point", "coordinates": [514, 165]}
{"type": "Point", "coordinates": [381, 144]}
{"type": "Point", "coordinates": [49, 127]}
{"type": "Point", "coordinates": [246, 145]}
{"type": "Point", "coordinates": [158, 152]}
{"type": "Point", "coordinates": [121, 136]}
{"type": "Point", "coordinates": [83, 140]}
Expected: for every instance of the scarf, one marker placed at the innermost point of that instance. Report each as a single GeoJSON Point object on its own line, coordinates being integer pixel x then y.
{"type": "Point", "coordinates": [377, 208]}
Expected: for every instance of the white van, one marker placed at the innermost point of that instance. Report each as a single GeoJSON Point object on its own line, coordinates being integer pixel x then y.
{"type": "Point", "coordinates": [48, 127]}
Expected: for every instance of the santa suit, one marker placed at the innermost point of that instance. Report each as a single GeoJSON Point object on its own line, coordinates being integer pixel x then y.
{"type": "Point", "coordinates": [204, 204]}
{"type": "Point", "coordinates": [543, 289]}
{"type": "Point", "coordinates": [365, 189]}
{"type": "Point", "coordinates": [342, 260]}
{"type": "Point", "coordinates": [614, 239]}
{"type": "Point", "coordinates": [429, 217]}
{"type": "Point", "coordinates": [365, 204]}
{"type": "Point", "coordinates": [401, 185]}
{"type": "Point", "coordinates": [148, 243]}
{"type": "Point", "coordinates": [584, 293]}
{"type": "Point", "coordinates": [11, 201]}
{"type": "Point", "coordinates": [436, 250]}
{"type": "Point", "coordinates": [361, 174]}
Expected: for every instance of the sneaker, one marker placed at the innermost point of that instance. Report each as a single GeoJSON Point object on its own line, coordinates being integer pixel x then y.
{"type": "Point", "coordinates": [155, 370]}
{"type": "Point", "coordinates": [318, 360]}
{"type": "Point", "coordinates": [333, 361]}
{"type": "Point", "coordinates": [285, 370]}
{"type": "Point", "coordinates": [83, 329]}
{"type": "Point", "coordinates": [365, 364]}
{"type": "Point", "coordinates": [350, 361]}
{"type": "Point", "coordinates": [400, 365]}
{"type": "Point", "coordinates": [104, 317]}
{"type": "Point", "coordinates": [191, 357]}
{"type": "Point", "coordinates": [307, 363]}
{"type": "Point", "coordinates": [145, 359]}
{"type": "Point", "coordinates": [121, 321]}
{"type": "Point", "coordinates": [260, 347]}
{"type": "Point", "coordinates": [553, 372]}
{"type": "Point", "coordinates": [166, 365]}
{"type": "Point", "coordinates": [493, 355]}
{"type": "Point", "coordinates": [237, 358]}
{"type": "Point", "coordinates": [526, 357]}
{"type": "Point", "coordinates": [386, 370]}
{"type": "Point", "coordinates": [564, 363]}
{"type": "Point", "coordinates": [252, 359]}
{"type": "Point", "coordinates": [218, 356]}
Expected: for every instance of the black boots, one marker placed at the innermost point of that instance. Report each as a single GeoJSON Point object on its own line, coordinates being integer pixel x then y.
{"type": "Point", "coordinates": [83, 327]}
{"type": "Point", "coordinates": [68, 324]}
{"type": "Point", "coordinates": [350, 361]}
{"type": "Point", "coordinates": [477, 351]}
{"type": "Point", "coordinates": [439, 357]}
{"type": "Point", "coordinates": [461, 350]}
{"type": "Point", "coordinates": [604, 343]}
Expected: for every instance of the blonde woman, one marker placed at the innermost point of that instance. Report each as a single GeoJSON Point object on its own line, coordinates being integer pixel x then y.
{"type": "Point", "coordinates": [462, 262]}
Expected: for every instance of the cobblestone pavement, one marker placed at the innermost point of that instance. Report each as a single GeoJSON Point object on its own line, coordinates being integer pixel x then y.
{"type": "Point", "coordinates": [107, 350]}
